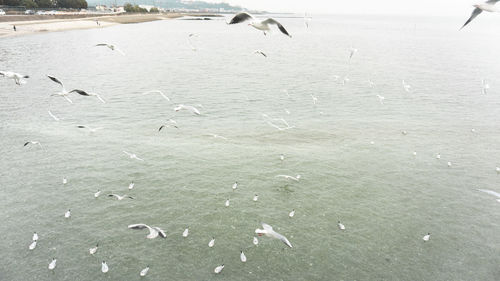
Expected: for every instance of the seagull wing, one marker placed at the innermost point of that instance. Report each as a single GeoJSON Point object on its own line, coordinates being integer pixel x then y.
{"type": "Point", "coordinates": [160, 232]}
{"type": "Point", "coordinates": [114, 195]}
{"type": "Point", "coordinates": [56, 80]}
{"type": "Point", "coordinates": [83, 127]}
{"type": "Point", "coordinates": [475, 13]}
{"type": "Point", "coordinates": [272, 21]}
{"type": "Point", "coordinates": [26, 143]}
{"type": "Point", "coordinates": [267, 227]}
{"type": "Point", "coordinates": [138, 226]}
{"type": "Point", "coordinates": [2, 73]}
{"type": "Point", "coordinates": [241, 17]}
{"type": "Point", "coordinates": [101, 44]}
{"type": "Point", "coordinates": [490, 192]}
{"type": "Point", "coordinates": [80, 92]}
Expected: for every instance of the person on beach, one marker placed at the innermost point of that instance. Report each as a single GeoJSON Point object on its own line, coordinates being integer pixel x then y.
{"type": "Point", "coordinates": [15, 28]}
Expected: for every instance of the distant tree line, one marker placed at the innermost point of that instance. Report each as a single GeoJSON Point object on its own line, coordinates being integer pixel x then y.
{"type": "Point", "coordinates": [32, 4]}
{"type": "Point", "coordinates": [129, 8]}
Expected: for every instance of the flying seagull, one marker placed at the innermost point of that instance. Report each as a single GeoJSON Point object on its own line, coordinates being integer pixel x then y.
{"type": "Point", "coordinates": [156, 92]}
{"type": "Point", "coordinates": [171, 123]}
{"type": "Point", "coordinates": [91, 130]}
{"type": "Point", "coordinates": [133, 156]}
{"type": "Point", "coordinates": [260, 52]}
{"type": "Point", "coordinates": [32, 142]}
{"type": "Point", "coordinates": [187, 107]}
{"type": "Point", "coordinates": [260, 25]}
{"type": "Point", "coordinates": [120, 197]}
{"type": "Point", "coordinates": [485, 87]}
{"type": "Point", "coordinates": [297, 178]}
{"type": "Point", "coordinates": [352, 51]}
{"type": "Point", "coordinates": [63, 93]}
{"type": "Point", "coordinates": [488, 6]}
{"type": "Point", "coordinates": [269, 232]}
{"type": "Point", "coordinates": [18, 78]}
{"type": "Point", "coordinates": [153, 231]}
{"type": "Point", "coordinates": [111, 47]}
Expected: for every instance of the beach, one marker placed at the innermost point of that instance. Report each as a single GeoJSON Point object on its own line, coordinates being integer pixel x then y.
{"type": "Point", "coordinates": [34, 24]}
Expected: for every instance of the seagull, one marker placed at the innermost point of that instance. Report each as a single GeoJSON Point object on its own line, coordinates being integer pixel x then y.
{"type": "Point", "coordinates": [438, 156]}
{"type": "Point", "coordinates": [235, 185]}
{"type": "Point", "coordinates": [227, 203]}
{"type": "Point", "coordinates": [404, 133]}
{"type": "Point", "coordinates": [18, 78]}
{"type": "Point", "coordinates": [131, 186]}
{"type": "Point", "coordinates": [297, 178]}
{"type": "Point", "coordinates": [292, 213]}
{"type": "Point", "coordinates": [120, 197]}
{"type": "Point", "coordinates": [63, 93]}
{"type": "Point", "coordinates": [53, 116]}
{"type": "Point", "coordinates": [211, 243]}
{"type": "Point", "coordinates": [491, 192]}
{"type": "Point", "coordinates": [132, 156]}
{"type": "Point", "coordinates": [65, 181]}
{"type": "Point", "coordinates": [260, 25]}
{"type": "Point", "coordinates": [91, 130]}
{"type": "Point", "coordinates": [218, 269]}
{"type": "Point", "coordinates": [260, 52]}
{"type": "Point", "coordinates": [32, 142]}
{"type": "Point", "coordinates": [485, 87]}
{"type": "Point", "coordinates": [414, 153]}
{"type": "Point", "coordinates": [112, 47]}
{"type": "Point", "coordinates": [32, 245]}
{"type": "Point", "coordinates": [341, 226]}
{"type": "Point", "coordinates": [427, 237]}
{"type": "Point", "coordinates": [352, 51]}
{"type": "Point", "coordinates": [94, 249]}
{"type": "Point", "coordinates": [35, 236]}
{"type": "Point", "coordinates": [52, 264]}
{"type": "Point", "coordinates": [97, 193]}
{"type": "Point", "coordinates": [144, 271]}
{"type": "Point", "coordinates": [153, 231]}
{"type": "Point", "coordinates": [498, 170]}
{"type": "Point", "coordinates": [191, 43]}
{"type": "Point", "coordinates": [255, 198]}
{"type": "Point", "coordinates": [307, 20]}
{"type": "Point", "coordinates": [488, 6]}
{"type": "Point", "coordinates": [282, 157]}
{"type": "Point", "coordinates": [449, 164]}
{"type": "Point", "coordinates": [269, 232]}
{"type": "Point", "coordinates": [406, 86]}
{"type": "Point", "coordinates": [104, 267]}
{"type": "Point", "coordinates": [345, 80]}
{"type": "Point", "coordinates": [380, 99]}
{"type": "Point", "coordinates": [156, 92]}
{"type": "Point", "coordinates": [188, 107]}
{"type": "Point", "coordinates": [67, 214]}
{"type": "Point", "coordinates": [243, 258]}
{"type": "Point", "coordinates": [315, 99]}
{"type": "Point", "coordinates": [186, 232]}
{"type": "Point", "coordinates": [255, 241]}
{"type": "Point", "coordinates": [171, 123]}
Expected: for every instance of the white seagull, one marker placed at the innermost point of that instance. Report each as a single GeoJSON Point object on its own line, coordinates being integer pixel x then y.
{"type": "Point", "coordinates": [491, 192]}
{"type": "Point", "coordinates": [255, 241]}
{"type": "Point", "coordinates": [235, 185]}
{"type": "Point", "coordinates": [255, 198]}
{"type": "Point", "coordinates": [91, 130]}
{"type": "Point", "coordinates": [211, 243]}
{"type": "Point", "coordinates": [170, 123]}
{"type": "Point", "coordinates": [120, 197]}
{"type": "Point", "coordinates": [156, 92]}
{"type": "Point", "coordinates": [35, 236]}
{"type": "Point", "coordinates": [260, 25]}
{"type": "Point", "coordinates": [32, 245]}
{"type": "Point", "coordinates": [488, 6]}
{"type": "Point", "coordinates": [104, 267]}
{"type": "Point", "coordinates": [193, 109]}
{"type": "Point", "coordinates": [406, 86]}
{"type": "Point", "coordinates": [269, 232]}
{"type": "Point", "coordinates": [33, 142]}
{"type": "Point", "coordinates": [243, 258]}
{"type": "Point", "coordinates": [53, 116]}
{"type": "Point", "coordinates": [186, 232]}
{"type": "Point", "coordinates": [260, 53]}
{"type": "Point", "coordinates": [485, 87]}
{"type": "Point", "coordinates": [133, 156]}
{"type": "Point", "coordinates": [52, 264]}
{"type": "Point", "coordinates": [227, 203]}
{"type": "Point", "coordinates": [111, 47]}
{"type": "Point", "coordinates": [153, 231]}
{"type": "Point", "coordinates": [144, 271]}
{"type": "Point", "coordinates": [341, 226]}
{"type": "Point", "coordinates": [292, 213]}
{"type": "Point", "coordinates": [131, 186]}
{"type": "Point", "coordinates": [427, 237]}
{"type": "Point", "coordinates": [218, 269]}
{"type": "Point", "coordinates": [64, 93]}
{"type": "Point", "coordinates": [380, 99]}
{"type": "Point", "coordinates": [67, 214]}
{"type": "Point", "coordinates": [65, 181]}
{"type": "Point", "coordinates": [18, 78]}
{"type": "Point", "coordinates": [297, 178]}
{"type": "Point", "coordinates": [97, 193]}
{"type": "Point", "coordinates": [93, 250]}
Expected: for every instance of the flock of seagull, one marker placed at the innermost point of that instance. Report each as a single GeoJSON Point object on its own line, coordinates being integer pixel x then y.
{"type": "Point", "coordinates": [278, 123]}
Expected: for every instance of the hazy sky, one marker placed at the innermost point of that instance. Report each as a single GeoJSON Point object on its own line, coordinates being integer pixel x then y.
{"type": "Point", "coordinates": [427, 7]}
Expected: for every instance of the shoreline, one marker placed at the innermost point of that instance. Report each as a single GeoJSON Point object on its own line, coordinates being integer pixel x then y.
{"type": "Point", "coordinates": [27, 25]}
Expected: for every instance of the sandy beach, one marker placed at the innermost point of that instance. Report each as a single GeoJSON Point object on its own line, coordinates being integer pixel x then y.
{"type": "Point", "coordinates": [34, 24]}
